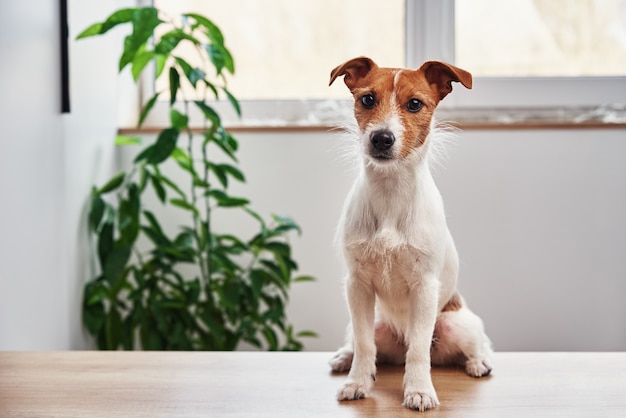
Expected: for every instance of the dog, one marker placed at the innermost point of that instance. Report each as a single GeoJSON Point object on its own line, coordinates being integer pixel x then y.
{"type": "Point", "coordinates": [401, 258]}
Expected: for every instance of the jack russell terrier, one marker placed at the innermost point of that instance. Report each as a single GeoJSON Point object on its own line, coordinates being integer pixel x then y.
{"type": "Point", "coordinates": [402, 261]}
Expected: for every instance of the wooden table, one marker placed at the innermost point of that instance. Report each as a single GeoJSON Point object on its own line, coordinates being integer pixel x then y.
{"type": "Point", "coordinates": [295, 385]}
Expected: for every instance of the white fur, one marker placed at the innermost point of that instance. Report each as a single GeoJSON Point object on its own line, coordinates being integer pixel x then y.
{"type": "Point", "coordinates": [403, 268]}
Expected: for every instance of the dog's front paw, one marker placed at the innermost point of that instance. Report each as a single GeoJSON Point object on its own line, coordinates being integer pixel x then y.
{"type": "Point", "coordinates": [420, 401]}
{"type": "Point", "coordinates": [352, 391]}
{"type": "Point", "coordinates": [342, 360]}
{"type": "Point", "coordinates": [478, 367]}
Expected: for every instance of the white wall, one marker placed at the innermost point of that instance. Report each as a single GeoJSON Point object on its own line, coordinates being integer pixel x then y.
{"type": "Point", "coordinates": [538, 217]}
{"type": "Point", "coordinates": [32, 310]}
{"type": "Point", "coordinates": [539, 220]}
{"type": "Point", "coordinates": [48, 162]}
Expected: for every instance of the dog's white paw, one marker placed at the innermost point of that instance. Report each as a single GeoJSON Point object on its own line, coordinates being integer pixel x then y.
{"type": "Point", "coordinates": [341, 360]}
{"type": "Point", "coordinates": [478, 367]}
{"type": "Point", "coordinates": [420, 401]}
{"type": "Point", "coordinates": [352, 391]}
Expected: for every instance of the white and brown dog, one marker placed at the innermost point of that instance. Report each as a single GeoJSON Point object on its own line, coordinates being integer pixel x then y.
{"type": "Point", "coordinates": [402, 261]}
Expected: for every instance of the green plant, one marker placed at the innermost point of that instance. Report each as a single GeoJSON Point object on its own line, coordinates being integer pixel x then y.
{"type": "Point", "coordinates": [141, 297]}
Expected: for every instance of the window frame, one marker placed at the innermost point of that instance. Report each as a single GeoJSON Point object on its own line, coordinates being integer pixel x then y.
{"type": "Point", "coordinates": [433, 22]}
{"type": "Point", "coordinates": [430, 35]}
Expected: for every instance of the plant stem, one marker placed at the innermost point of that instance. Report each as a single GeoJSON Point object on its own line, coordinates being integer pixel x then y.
{"type": "Point", "coordinates": [207, 202]}
{"type": "Point", "coordinates": [194, 199]}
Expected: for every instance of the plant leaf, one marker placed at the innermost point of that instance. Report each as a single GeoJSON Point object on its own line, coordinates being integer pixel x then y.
{"type": "Point", "coordinates": [121, 140]}
{"type": "Point", "coordinates": [116, 263]}
{"type": "Point", "coordinates": [128, 215]}
{"type": "Point", "coordinates": [258, 217]}
{"type": "Point", "coordinates": [304, 279]}
{"type": "Point", "coordinates": [225, 200]}
{"type": "Point", "coordinates": [113, 328]}
{"type": "Point", "coordinates": [115, 182]}
{"type": "Point", "coordinates": [233, 171]}
{"type": "Point", "coordinates": [171, 185]}
{"type": "Point", "coordinates": [271, 338]}
{"type": "Point", "coordinates": [146, 108]}
{"type": "Point", "coordinates": [182, 158]}
{"type": "Point", "coordinates": [159, 63]}
{"type": "Point", "coordinates": [307, 334]}
{"type": "Point", "coordinates": [218, 56]}
{"type": "Point", "coordinates": [93, 315]}
{"type": "Point", "coordinates": [212, 87]}
{"type": "Point", "coordinates": [178, 120]}
{"type": "Point", "coordinates": [168, 42]}
{"type": "Point", "coordinates": [230, 294]}
{"type": "Point", "coordinates": [139, 63]}
{"type": "Point", "coordinates": [95, 29]}
{"type": "Point", "coordinates": [96, 212]}
{"type": "Point", "coordinates": [184, 205]}
{"type": "Point", "coordinates": [174, 84]}
{"type": "Point", "coordinates": [130, 49]}
{"type": "Point", "coordinates": [280, 248]}
{"type": "Point", "coordinates": [233, 101]}
{"type": "Point", "coordinates": [225, 142]}
{"type": "Point", "coordinates": [212, 31]}
{"type": "Point", "coordinates": [164, 145]}
{"type": "Point", "coordinates": [95, 292]}
{"type": "Point", "coordinates": [285, 223]}
{"type": "Point", "coordinates": [105, 242]}
{"type": "Point", "coordinates": [276, 275]}
{"type": "Point", "coordinates": [195, 75]}
{"type": "Point", "coordinates": [219, 173]}
{"type": "Point", "coordinates": [144, 20]}
{"type": "Point", "coordinates": [185, 241]}
{"type": "Point", "coordinates": [209, 112]}
{"type": "Point", "coordinates": [184, 65]}
{"type": "Point", "coordinates": [144, 154]}
{"type": "Point", "coordinates": [158, 188]}
{"type": "Point", "coordinates": [152, 220]}
{"type": "Point", "coordinates": [118, 17]}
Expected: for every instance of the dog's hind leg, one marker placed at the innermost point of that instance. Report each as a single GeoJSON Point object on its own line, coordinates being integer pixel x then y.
{"type": "Point", "coordinates": [390, 345]}
{"type": "Point", "coordinates": [460, 338]}
{"type": "Point", "coordinates": [390, 348]}
{"type": "Point", "coordinates": [341, 361]}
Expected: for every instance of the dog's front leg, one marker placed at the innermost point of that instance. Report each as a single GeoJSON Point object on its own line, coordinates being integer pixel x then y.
{"type": "Point", "coordinates": [419, 392]}
{"type": "Point", "coordinates": [361, 301]}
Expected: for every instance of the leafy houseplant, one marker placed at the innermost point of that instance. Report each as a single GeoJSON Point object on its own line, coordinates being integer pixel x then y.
{"type": "Point", "coordinates": [239, 288]}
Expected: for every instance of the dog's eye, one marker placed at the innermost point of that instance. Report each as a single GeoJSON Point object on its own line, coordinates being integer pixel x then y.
{"type": "Point", "coordinates": [414, 105]}
{"type": "Point", "coordinates": [368, 101]}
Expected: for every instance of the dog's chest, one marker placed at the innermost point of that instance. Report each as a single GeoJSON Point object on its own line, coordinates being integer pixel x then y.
{"type": "Point", "coordinates": [392, 236]}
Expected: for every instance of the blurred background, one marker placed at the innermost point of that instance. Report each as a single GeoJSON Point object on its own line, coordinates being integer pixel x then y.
{"type": "Point", "coordinates": [534, 185]}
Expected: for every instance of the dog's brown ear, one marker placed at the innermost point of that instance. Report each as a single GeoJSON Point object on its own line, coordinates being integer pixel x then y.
{"type": "Point", "coordinates": [441, 75]}
{"type": "Point", "coordinates": [353, 70]}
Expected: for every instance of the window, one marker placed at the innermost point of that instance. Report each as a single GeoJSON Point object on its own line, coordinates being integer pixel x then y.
{"type": "Point", "coordinates": [450, 31]}
{"type": "Point", "coordinates": [522, 53]}
{"type": "Point", "coordinates": [285, 49]}
{"type": "Point", "coordinates": [541, 38]}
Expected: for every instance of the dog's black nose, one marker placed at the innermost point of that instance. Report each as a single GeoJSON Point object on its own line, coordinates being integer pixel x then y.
{"type": "Point", "coordinates": [382, 140]}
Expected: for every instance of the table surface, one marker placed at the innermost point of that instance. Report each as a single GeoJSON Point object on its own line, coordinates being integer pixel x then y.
{"type": "Point", "coordinates": [252, 384]}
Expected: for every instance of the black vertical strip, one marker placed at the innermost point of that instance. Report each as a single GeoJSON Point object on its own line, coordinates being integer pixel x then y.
{"type": "Point", "coordinates": [65, 64]}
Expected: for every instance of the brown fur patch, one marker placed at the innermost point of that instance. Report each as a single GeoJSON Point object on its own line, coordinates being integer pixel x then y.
{"type": "Point", "coordinates": [379, 83]}
{"type": "Point", "coordinates": [411, 84]}
{"type": "Point", "coordinates": [393, 89]}
{"type": "Point", "coordinates": [454, 304]}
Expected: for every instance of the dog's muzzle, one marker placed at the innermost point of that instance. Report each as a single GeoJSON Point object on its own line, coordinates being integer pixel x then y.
{"type": "Point", "coordinates": [381, 143]}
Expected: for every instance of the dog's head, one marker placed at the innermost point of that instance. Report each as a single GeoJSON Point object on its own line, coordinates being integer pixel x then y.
{"type": "Point", "coordinates": [394, 107]}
